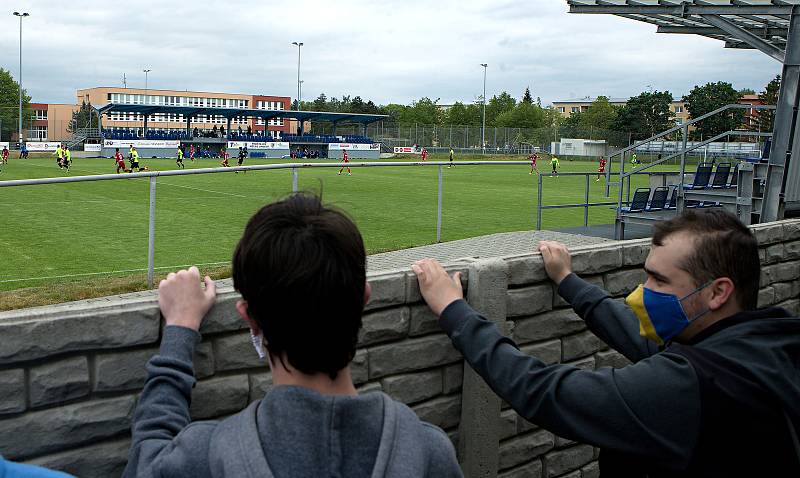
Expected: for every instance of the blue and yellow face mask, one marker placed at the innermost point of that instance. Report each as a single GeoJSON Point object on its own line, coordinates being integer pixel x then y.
{"type": "Point", "coordinates": [661, 316]}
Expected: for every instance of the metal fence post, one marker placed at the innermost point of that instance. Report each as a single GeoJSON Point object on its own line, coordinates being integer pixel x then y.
{"type": "Point", "coordinates": [586, 204]}
{"type": "Point", "coordinates": [439, 209]}
{"type": "Point", "coordinates": [539, 203]}
{"type": "Point", "coordinates": [294, 180]}
{"type": "Point", "coordinates": [151, 234]}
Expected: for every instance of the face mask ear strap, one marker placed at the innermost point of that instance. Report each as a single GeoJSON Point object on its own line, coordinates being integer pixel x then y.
{"type": "Point", "coordinates": [697, 290]}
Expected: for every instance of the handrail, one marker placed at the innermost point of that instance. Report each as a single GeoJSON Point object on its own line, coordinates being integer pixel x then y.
{"type": "Point", "coordinates": [689, 123]}
{"type": "Point", "coordinates": [675, 155]}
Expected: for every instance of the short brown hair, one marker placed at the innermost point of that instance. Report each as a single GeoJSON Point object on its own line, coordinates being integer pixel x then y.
{"type": "Point", "coordinates": [724, 247]}
{"type": "Point", "coordinates": [301, 267]}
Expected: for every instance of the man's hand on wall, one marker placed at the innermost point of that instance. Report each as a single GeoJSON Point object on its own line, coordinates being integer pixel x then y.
{"type": "Point", "coordinates": [437, 287]}
{"type": "Point", "coordinates": [183, 301]}
{"type": "Point", "coordinates": [557, 261]}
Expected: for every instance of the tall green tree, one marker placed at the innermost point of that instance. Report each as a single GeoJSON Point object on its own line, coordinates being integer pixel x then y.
{"type": "Point", "coordinates": [9, 105]}
{"type": "Point", "coordinates": [321, 103]}
{"type": "Point", "coordinates": [524, 115]}
{"type": "Point", "coordinates": [766, 118]}
{"type": "Point", "coordinates": [84, 117]}
{"type": "Point", "coordinates": [600, 115]}
{"type": "Point", "coordinates": [645, 115]}
{"type": "Point", "coordinates": [707, 98]}
{"type": "Point", "coordinates": [461, 114]}
{"type": "Point", "coordinates": [527, 98]}
{"type": "Point", "coordinates": [497, 105]}
{"type": "Point", "coordinates": [423, 111]}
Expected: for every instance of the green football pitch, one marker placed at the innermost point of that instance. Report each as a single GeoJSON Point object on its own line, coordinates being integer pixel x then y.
{"type": "Point", "coordinates": [59, 233]}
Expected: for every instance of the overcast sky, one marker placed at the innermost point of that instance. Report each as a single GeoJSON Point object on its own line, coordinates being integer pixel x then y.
{"type": "Point", "coordinates": [390, 51]}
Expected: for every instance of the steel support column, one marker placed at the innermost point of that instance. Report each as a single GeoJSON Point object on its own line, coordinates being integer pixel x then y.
{"type": "Point", "coordinates": [783, 143]}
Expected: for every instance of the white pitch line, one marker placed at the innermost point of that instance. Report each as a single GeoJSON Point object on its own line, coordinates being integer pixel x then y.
{"type": "Point", "coordinates": [67, 276]}
{"type": "Point", "coordinates": [168, 184]}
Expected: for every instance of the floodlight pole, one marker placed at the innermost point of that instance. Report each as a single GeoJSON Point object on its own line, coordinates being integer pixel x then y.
{"type": "Point", "coordinates": [21, 16]}
{"type": "Point", "coordinates": [299, 92]}
{"type": "Point", "coordinates": [483, 127]}
{"type": "Point", "coordinates": [146, 71]}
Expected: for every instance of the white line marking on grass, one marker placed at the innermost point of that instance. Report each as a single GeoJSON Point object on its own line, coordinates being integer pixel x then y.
{"type": "Point", "coordinates": [67, 276]}
{"type": "Point", "coordinates": [207, 190]}
{"type": "Point", "coordinates": [169, 184]}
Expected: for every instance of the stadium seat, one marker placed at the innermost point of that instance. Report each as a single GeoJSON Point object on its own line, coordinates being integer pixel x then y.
{"type": "Point", "coordinates": [673, 199]}
{"type": "Point", "coordinates": [659, 199]}
{"type": "Point", "coordinates": [639, 202]}
{"type": "Point", "coordinates": [721, 176]}
{"type": "Point", "coordinates": [701, 177]}
{"type": "Point", "coordinates": [734, 179]}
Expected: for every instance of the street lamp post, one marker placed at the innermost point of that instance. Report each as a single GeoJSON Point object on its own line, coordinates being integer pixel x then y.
{"type": "Point", "coordinates": [21, 16]}
{"type": "Point", "coordinates": [299, 92]}
{"type": "Point", "coordinates": [483, 128]}
{"type": "Point", "coordinates": [146, 71]}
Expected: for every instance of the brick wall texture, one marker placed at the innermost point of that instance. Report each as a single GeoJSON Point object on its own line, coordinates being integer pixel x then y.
{"type": "Point", "coordinates": [70, 376]}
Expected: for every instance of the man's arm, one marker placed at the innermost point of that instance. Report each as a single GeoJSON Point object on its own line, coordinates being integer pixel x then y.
{"type": "Point", "coordinates": [610, 320]}
{"type": "Point", "coordinates": [650, 409]}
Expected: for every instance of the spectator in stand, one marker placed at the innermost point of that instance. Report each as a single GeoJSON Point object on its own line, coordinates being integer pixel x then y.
{"type": "Point", "coordinates": [222, 131]}
{"type": "Point", "coordinates": [214, 131]}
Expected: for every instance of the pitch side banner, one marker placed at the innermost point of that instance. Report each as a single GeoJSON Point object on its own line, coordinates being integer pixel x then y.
{"type": "Point", "coordinates": [258, 145]}
{"type": "Point", "coordinates": [405, 150]}
{"type": "Point", "coordinates": [3, 144]}
{"type": "Point", "coordinates": [353, 146]}
{"type": "Point", "coordinates": [141, 143]}
{"type": "Point", "coordinates": [42, 146]}
{"type": "Point", "coordinates": [92, 147]}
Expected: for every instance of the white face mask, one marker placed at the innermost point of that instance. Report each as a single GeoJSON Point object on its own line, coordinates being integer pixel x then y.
{"type": "Point", "coordinates": [258, 343]}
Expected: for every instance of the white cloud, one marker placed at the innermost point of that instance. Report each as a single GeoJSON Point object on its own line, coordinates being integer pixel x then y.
{"type": "Point", "coordinates": [389, 51]}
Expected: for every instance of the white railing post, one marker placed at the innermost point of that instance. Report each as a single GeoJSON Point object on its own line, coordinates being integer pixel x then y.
{"type": "Point", "coordinates": [439, 209]}
{"type": "Point", "coordinates": [294, 180]}
{"type": "Point", "coordinates": [539, 202]}
{"type": "Point", "coordinates": [151, 234]}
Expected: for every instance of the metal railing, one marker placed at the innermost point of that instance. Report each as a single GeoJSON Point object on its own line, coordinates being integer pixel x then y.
{"type": "Point", "coordinates": [295, 167]}
{"type": "Point", "coordinates": [681, 152]}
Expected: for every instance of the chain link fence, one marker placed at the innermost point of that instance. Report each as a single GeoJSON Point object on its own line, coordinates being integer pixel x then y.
{"type": "Point", "coordinates": [500, 140]}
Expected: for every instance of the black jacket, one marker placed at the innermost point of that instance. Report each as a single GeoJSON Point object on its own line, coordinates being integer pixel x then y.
{"type": "Point", "coordinates": [715, 407]}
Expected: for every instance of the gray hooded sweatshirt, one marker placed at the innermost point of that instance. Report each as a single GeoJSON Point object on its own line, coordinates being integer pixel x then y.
{"type": "Point", "coordinates": [291, 432]}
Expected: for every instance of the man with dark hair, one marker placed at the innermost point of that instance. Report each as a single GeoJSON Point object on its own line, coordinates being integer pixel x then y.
{"type": "Point", "coordinates": [714, 388]}
{"type": "Point", "coordinates": [301, 270]}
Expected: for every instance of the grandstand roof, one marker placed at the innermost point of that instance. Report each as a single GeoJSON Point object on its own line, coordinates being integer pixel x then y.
{"type": "Point", "coordinates": [238, 112]}
{"type": "Point", "coordinates": [752, 24]}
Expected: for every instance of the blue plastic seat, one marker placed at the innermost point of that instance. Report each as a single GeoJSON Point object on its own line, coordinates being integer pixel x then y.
{"type": "Point", "coordinates": [639, 202]}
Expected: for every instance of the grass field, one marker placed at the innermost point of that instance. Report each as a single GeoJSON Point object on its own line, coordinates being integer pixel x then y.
{"type": "Point", "coordinates": [92, 236]}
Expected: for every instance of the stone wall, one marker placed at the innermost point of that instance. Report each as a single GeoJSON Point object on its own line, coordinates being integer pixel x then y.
{"type": "Point", "coordinates": [70, 374]}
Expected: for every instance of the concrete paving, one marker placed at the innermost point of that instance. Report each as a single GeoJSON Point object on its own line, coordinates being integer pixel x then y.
{"type": "Point", "coordinates": [493, 245]}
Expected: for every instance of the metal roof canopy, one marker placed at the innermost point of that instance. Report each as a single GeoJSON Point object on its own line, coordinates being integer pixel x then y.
{"type": "Point", "coordinates": [191, 111]}
{"type": "Point", "coordinates": [751, 24]}
{"type": "Point", "coordinates": [770, 26]}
